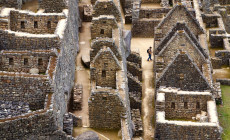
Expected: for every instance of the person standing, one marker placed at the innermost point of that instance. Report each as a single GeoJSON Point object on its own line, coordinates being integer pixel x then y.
{"type": "Point", "coordinates": [149, 51]}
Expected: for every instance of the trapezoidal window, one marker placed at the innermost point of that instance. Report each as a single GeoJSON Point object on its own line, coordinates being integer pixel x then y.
{"type": "Point", "coordinates": [40, 62]}
{"type": "Point", "coordinates": [197, 105]}
{"type": "Point", "coordinates": [105, 7]}
{"type": "Point", "coordinates": [49, 24]}
{"type": "Point", "coordinates": [11, 61]}
{"type": "Point", "coordinates": [35, 24]}
{"type": "Point", "coordinates": [103, 73]}
{"type": "Point", "coordinates": [22, 24]}
{"type": "Point", "coordinates": [26, 61]}
{"type": "Point", "coordinates": [185, 105]}
{"type": "Point", "coordinates": [102, 31]}
{"type": "Point", "coordinates": [173, 105]}
{"type": "Point", "coordinates": [181, 76]}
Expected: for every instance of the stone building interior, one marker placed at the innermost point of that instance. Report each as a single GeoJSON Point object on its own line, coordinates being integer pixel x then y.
{"type": "Point", "coordinates": [114, 69]}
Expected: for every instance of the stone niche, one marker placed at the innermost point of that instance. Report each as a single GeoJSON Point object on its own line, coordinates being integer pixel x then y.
{"type": "Point", "coordinates": [103, 26]}
{"type": "Point", "coordinates": [104, 68]}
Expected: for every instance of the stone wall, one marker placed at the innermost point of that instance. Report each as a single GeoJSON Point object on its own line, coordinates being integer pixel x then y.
{"type": "Point", "coordinates": [103, 26]}
{"type": "Point", "coordinates": [183, 131]}
{"type": "Point", "coordinates": [195, 104]}
{"type": "Point", "coordinates": [106, 8]}
{"type": "Point", "coordinates": [99, 43]}
{"type": "Point", "coordinates": [184, 74]}
{"type": "Point", "coordinates": [23, 62]}
{"type": "Point", "coordinates": [33, 23]}
{"type": "Point", "coordinates": [135, 58]}
{"type": "Point", "coordinates": [144, 27]}
{"type": "Point", "coordinates": [105, 110]}
{"type": "Point", "coordinates": [22, 41]}
{"type": "Point", "coordinates": [134, 69]}
{"type": "Point", "coordinates": [32, 90]}
{"type": "Point", "coordinates": [11, 3]}
{"type": "Point", "coordinates": [65, 71]}
{"type": "Point", "coordinates": [223, 81]}
{"type": "Point", "coordinates": [153, 13]}
{"type": "Point", "coordinates": [151, 1]}
{"type": "Point", "coordinates": [104, 68]}
{"type": "Point", "coordinates": [172, 18]}
{"type": "Point", "coordinates": [4, 24]}
{"type": "Point", "coordinates": [216, 63]}
{"type": "Point", "coordinates": [53, 6]}
{"type": "Point", "coordinates": [224, 55]}
{"type": "Point", "coordinates": [134, 84]}
{"type": "Point", "coordinates": [44, 124]}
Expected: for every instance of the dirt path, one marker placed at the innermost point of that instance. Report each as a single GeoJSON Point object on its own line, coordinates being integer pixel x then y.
{"type": "Point", "coordinates": [82, 74]}
{"type": "Point", "coordinates": [142, 44]}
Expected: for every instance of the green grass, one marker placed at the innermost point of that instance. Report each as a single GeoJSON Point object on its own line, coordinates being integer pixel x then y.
{"type": "Point", "coordinates": [224, 112]}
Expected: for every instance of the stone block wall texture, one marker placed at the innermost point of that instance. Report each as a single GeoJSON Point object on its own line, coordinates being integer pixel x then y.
{"type": "Point", "coordinates": [210, 20]}
{"type": "Point", "coordinates": [174, 18]}
{"type": "Point", "coordinates": [53, 6]}
{"type": "Point", "coordinates": [106, 68]}
{"type": "Point", "coordinates": [153, 13]}
{"type": "Point", "coordinates": [216, 63]}
{"type": "Point", "coordinates": [183, 74]}
{"type": "Point", "coordinates": [65, 71]}
{"type": "Point", "coordinates": [134, 69]}
{"type": "Point", "coordinates": [223, 2]}
{"type": "Point", "coordinates": [180, 111]}
{"type": "Point", "coordinates": [103, 27]}
{"type": "Point", "coordinates": [4, 24]}
{"type": "Point", "coordinates": [223, 81]}
{"type": "Point", "coordinates": [224, 55]}
{"type": "Point", "coordinates": [39, 61]}
{"type": "Point", "coordinates": [11, 3]}
{"type": "Point", "coordinates": [26, 89]}
{"type": "Point", "coordinates": [181, 41]}
{"type": "Point", "coordinates": [14, 41]}
{"type": "Point", "coordinates": [43, 123]}
{"type": "Point", "coordinates": [99, 43]}
{"type": "Point", "coordinates": [106, 8]}
{"type": "Point", "coordinates": [135, 100]}
{"type": "Point", "coordinates": [186, 132]}
{"type": "Point", "coordinates": [105, 110]}
{"type": "Point", "coordinates": [144, 27]}
{"type": "Point", "coordinates": [151, 1]}
{"type": "Point", "coordinates": [30, 19]}
{"type": "Point", "coordinates": [216, 40]}
{"type": "Point", "coordinates": [134, 84]}
{"type": "Point", "coordinates": [135, 58]}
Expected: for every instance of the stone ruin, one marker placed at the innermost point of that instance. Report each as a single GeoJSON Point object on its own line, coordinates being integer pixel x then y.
{"type": "Point", "coordinates": [110, 60]}
{"type": "Point", "coordinates": [34, 87]}
{"type": "Point", "coordinates": [183, 80]}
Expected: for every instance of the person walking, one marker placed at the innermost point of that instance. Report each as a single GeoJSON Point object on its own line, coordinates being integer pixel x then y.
{"type": "Point", "coordinates": [149, 51]}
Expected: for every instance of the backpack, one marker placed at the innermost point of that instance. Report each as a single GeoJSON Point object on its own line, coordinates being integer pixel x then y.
{"type": "Point", "coordinates": [148, 51]}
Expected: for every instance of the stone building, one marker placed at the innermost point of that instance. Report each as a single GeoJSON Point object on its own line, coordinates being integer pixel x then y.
{"type": "Point", "coordinates": [183, 80]}
{"type": "Point", "coordinates": [175, 110]}
{"type": "Point", "coordinates": [34, 67]}
{"type": "Point", "coordinates": [109, 105]}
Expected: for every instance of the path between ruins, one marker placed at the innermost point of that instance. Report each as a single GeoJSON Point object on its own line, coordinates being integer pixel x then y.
{"type": "Point", "coordinates": [141, 45]}
{"type": "Point", "coordinates": [83, 74]}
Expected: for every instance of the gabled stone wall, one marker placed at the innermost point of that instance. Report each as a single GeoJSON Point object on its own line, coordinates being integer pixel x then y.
{"type": "Point", "coordinates": [106, 8]}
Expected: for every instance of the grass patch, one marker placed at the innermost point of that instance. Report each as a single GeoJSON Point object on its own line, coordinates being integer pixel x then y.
{"type": "Point", "coordinates": [224, 112]}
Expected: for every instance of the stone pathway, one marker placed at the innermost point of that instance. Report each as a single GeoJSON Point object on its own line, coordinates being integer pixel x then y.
{"type": "Point", "coordinates": [142, 44]}
{"type": "Point", "coordinates": [83, 74]}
